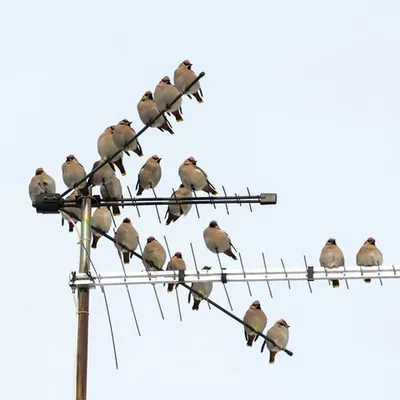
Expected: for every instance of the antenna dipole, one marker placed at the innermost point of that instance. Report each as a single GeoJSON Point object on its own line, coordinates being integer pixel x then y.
{"type": "Point", "coordinates": [83, 302]}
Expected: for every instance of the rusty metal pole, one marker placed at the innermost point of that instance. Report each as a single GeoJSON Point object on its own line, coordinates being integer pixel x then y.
{"type": "Point", "coordinates": [83, 303]}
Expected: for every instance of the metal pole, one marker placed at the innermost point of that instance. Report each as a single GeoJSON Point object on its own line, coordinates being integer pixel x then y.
{"type": "Point", "coordinates": [83, 303]}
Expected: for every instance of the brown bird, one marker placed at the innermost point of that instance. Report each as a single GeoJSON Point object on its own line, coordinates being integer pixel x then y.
{"type": "Point", "coordinates": [331, 257]}
{"type": "Point", "coordinates": [164, 94]}
{"type": "Point", "coordinates": [203, 288]}
{"type": "Point", "coordinates": [256, 318]}
{"type": "Point", "coordinates": [73, 213]}
{"type": "Point", "coordinates": [122, 133]}
{"type": "Point", "coordinates": [217, 240]}
{"type": "Point", "coordinates": [175, 208]}
{"type": "Point", "coordinates": [149, 175]}
{"type": "Point", "coordinates": [126, 239]}
{"type": "Point", "coordinates": [73, 171]}
{"type": "Point", "coordinates": [101, 219]}
{"type": "Point", "coordinates": [369, 256]}
{"type": "Point", "coordinates": [176, 263]}
{"type": "Point", "coordinates": [112, 191]}
{"type": "Point", "coordinates": [102, 176]}
{"type": "Point", "coordinates": [106, 148]}
{"type": "Point", "coordinates": [40, 184]}
{"type": "Point", "coordinates": [154, 255]}
{"type": "Point", "coordinates": [148, 110]}
{"type": "Point", "coordinates": [279, 333]}
{"type": "Point", "coordinates": [193, 177]}
{"type": "Point", "coordinates": [183, 77]}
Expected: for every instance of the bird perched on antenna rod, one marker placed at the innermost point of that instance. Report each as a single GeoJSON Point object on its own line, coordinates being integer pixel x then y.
{"type": "Point", "coordinates": [279, 333]}
{"type": "Point", "coordinates": [112, 191]}
{"type": "Point", "coordinates": [183, 77]}
{"type": "Point", "coordinates": [369, 256]}
{"type": "Point", "coordinates": [177, 263]}
{"type": "Point", "coordinates": [217, 240]}
{"type": "Point", "coordinates": [72, 214]}
{"type": "Point", "coordinates": [193, 177]}
{"type": "Point", "coordinates": [149, 175]}
{"type": "Point", "coordinates": [256, 318]}
{"type": "Point", "coordinates": [41, 183]}
{"type": "Point", "coordinates": [72, 172]}
{"type": "Point", "coordinates": [203, 288]}
{"type": "Point", "coordinates": [101, 220]}
{"type": "Point", "coordinates": [175, 208]}
{"type": "Point", "coordinates": [122, 133]}
{"type": "Point", "coordinates": [126, 239]}
{"type": "Point", "coordinates": [331, 257]}
{"type": "Point", "coordinates": [164, 94]}
{"type": "Point", "coordinates": [148, 110]}
{"type": "Point", "coordinates": [154, 255]}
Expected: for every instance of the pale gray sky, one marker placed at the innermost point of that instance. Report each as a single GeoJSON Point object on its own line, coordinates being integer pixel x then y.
{"type": "Point", "coordinates": [301, 98]}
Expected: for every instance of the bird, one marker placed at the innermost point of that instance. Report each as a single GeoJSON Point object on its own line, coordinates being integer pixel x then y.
{"type": "Point", "coordinates": [204, 288]}
{"type": "Point", "coordinates": [149, 175]}
{"type": "Point", "coordinates": [217, 240]}
{"type": "Point", "coordinates": [176, 209]}
{"type": "Point", "coordinates": [193, 177]}
{"type": "Point", "coordinates": [183, 77]}
{"type": "Point", "coordinates": [154, 255]}
{"type": "Point", "coordinates": [369, 256]}
{"type": "Point", "coordinates": [41, 183]}
{"type": "Point", "coordinates": [256, 318]}
{"type": "Point", "coordinates": [148, 110]}
{"type": "Point", "coordinates": [331, 257]}
{"type": "Point", "coordinates": [279, 333]}
{"type": "Point", "coordinates": [177, 263]}
{"type": "Point", "coordinates": [71, 213]}
{"type": "Point", "coordinates": [164, 94]}
{"type": "Point", "coordinates": [126, 239]}
{"type": "Point", "coordinates": [73, 172]}
{"type": "Point", "coordinates": [101, 219]}
{"type": "Point", "coordinates": [106, 148]}
{"type": "Point", "coordinates": [112, 191]}
{"type": "Point", "coordinates": [102, 176]}
{"type": "Point", "coordinates": [122, 133]}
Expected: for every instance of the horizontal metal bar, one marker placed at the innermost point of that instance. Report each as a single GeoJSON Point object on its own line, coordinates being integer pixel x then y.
{"type": "Point", "coordinates": [255, 275]}
{"type": "Point", "coordinates": [263, 199]}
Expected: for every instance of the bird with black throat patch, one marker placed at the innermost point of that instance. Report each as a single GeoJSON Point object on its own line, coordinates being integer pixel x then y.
{"type": "Point", "coordinates": [369, 256]}
{"type": "Point", "coordinates": [279, 333]}
{"type": "Point", "coordinates": [218, 241]}
{"type": "Point", "coordinates": [177, 263]}
{"type": "Point", "coordinates": [183, 77]}
{"type": "Point", "coordinates": [126, 239]}
{"type": "Point", "coordinates": [331, 258]}
{"type": "Point", "coordinates": [149, 175]}
{"type": "Point", "coordinates": [257, 319]}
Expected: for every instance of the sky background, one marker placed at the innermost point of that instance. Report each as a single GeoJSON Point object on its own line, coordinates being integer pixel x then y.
{"type": "Point", "coordinates": [301, 99]}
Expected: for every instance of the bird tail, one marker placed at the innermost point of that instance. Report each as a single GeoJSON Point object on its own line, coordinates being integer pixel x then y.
{"type": "Point", "coordinates": [335, 283]}
{"type": "Point", "coordinates": [272, 355]}
{"type": "Point", "coordinates": [167, 128]}
{"type": "Point", "coordinates": [170, 287]}
{"type": "Point", "coordinates": [250, 339]}
{"type": "Point", "coordinates": [171, 218]}
{"type": "Point", "coordinates": [196, 304]}
{"type": "Point", "coordinates": [367, 280]}
{"type": "Point", "coordinates": [210, 188]}
{"type": "Point", "coordinates": [140, 190]}
{"type": "Point", "coordinates": [70, 226]}
{"type": "Point", "coordinates": [197, 97]}
{"type": "Point", "coordinates": [116, 211]}
{"type": "Point", "coordinates": [230, 254]}
{"type": "Point", "coordinates": [177, 115]}
{"type": "Point", "coordinates": [126, 257]}
{"type": "Point", "coordinates": [94, 242]}
{"type": "Point", "coordinates": [120, 166]}
{"type": "Point", "coordinates": [138, 150]}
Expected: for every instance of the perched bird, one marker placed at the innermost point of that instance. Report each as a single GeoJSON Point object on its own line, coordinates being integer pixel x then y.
{"type": "Point", "coordinates": [73, 172]}
{"type": "Point", "coordinates": [331, 257]}
{"type": "Point", "coordinates": [176, 209]}
{"type": "Point", "coordinates": [256, 318]}
{"type": "Point", "coordinates": [126, 239]}
{"type": "Point", "coordinates": [106, 148]}
{"type": "Point", "coordinates": [101, 219]}
{"type": "Point", "coordinates": [112, 191]}
{"type": "Point", "coordinates": [149, 175]}
{"type": "Point", "coordinates": [217, 240]}
{"type": "Point", "coordinates": [73, 213]}
{"type": "Point", "coordinates": [183, 77]}
{"type": "Point", "coordinates": [41, 183]}
{"type": "Point", "coordinates": [193, 177]}
{"type": "Point", "coordinates": [103, 176]}
{"type": "Point", "coordinates": [176, 263]}
{"type": "Point", "coordinates": [122, 133]}
{"type": "Point", "coordinates": [204, 288]}
{"type": "Point", "coordinates": [164, 94]}
{"type": "Point", "coordinates": [369, 255]}
{"type": "Point", "coordinates": [154, 255]}
{"type": "Point", "coordinates": [279, 333]}
{"type": "Point", "coordinates": [148, 110]}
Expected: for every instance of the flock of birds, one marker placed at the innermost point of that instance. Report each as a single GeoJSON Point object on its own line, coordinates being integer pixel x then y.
{"type": "Point", "coordinates": [193, 178]}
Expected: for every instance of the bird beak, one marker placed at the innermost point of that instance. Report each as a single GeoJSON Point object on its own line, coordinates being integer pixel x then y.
{"type": "Point", "coordinates": [159, 160]}
{"type": "Point", "coordinates": [129, 123]}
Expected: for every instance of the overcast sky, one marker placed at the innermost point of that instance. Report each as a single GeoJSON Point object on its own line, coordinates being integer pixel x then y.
{"type": "Point", "coordinates": [301, 99]}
